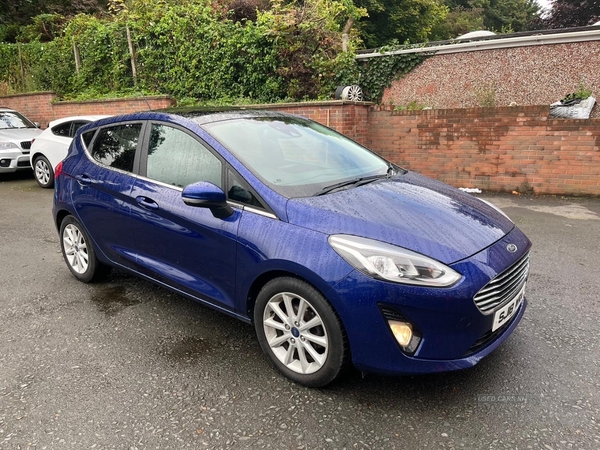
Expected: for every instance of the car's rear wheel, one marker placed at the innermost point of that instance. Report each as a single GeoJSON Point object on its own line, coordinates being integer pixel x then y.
{"type": "Point", "coordinates": [300, 332]}
{"type": "Point", "coordinates": [79, 253]}
{"type": "Point", "coordinates": [44, 174]}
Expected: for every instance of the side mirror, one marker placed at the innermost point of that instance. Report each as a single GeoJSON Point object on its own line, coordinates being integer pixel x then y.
{"type": "Point", "coordinates": [207, 195]}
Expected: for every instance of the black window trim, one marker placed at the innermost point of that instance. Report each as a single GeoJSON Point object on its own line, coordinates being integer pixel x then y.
{"type": "Point", "coordinates": [265, 210]}
{"type": "Point", "coordinates": [73, 130]}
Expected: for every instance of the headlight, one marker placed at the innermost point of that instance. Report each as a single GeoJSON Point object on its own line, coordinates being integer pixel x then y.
{"type": "Point", "coordinates": [495, 207]}
{"type": "Point", "coordinates": [7, 145]}
{"type": "Point", "coordinates": [388, 262]}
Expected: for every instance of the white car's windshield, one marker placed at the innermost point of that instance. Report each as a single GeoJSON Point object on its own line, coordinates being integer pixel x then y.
{"type": "Point", "coordinates": [297, 157]}
{"type": "Point", "coordinates": [12, 120]}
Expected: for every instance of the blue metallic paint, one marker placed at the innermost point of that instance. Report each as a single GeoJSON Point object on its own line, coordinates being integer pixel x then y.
{"type": "Point", "coordinates": [217, 260]}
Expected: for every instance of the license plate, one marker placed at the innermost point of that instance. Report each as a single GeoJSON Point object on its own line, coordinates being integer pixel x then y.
{"type": "Point", "coordinates": [504, 314]}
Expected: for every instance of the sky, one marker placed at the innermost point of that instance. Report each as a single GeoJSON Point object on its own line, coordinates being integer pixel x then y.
{"type": "Point", "coordinates": [543, 3]}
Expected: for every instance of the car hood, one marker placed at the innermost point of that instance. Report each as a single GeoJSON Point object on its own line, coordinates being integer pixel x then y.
{"type": "Point", "coordinates": [19, 134]}
{"type": "Point", "coordinates": [411, 211]}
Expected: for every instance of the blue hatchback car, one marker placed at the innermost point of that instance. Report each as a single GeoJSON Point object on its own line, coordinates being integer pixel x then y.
{"type": "Point", "coordinates": [336, 255]}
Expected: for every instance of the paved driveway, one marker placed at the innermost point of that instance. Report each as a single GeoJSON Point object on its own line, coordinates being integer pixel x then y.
{"type": "Point", "coordinates": [125, 364]}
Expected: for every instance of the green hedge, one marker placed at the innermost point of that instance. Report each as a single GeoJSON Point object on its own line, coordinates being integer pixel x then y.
{"type": "Point", "coordinates": [198, 54]}
{"type": "Point", "coordinates": [189, 51]}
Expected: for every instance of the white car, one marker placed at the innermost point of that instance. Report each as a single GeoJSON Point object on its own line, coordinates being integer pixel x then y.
{"type": "Point", "coordinates": [50, 147]}
{"type": "Point", "coordinates": [16, 134]}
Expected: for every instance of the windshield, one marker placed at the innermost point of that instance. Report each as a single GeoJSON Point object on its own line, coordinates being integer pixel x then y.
{"type": "Point", "coordinates": [12, 120]}
{"type": "Point", "coordinates": [294, 156]}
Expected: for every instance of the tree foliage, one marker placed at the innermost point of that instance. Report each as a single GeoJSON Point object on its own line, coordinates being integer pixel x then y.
{"type": "Point", "coordinates": [401, 20]}
{"type": "Point", "coordinates": [570, 13]}
{"type": "Point", "coordinates": [193, 50]}
{"type": "Point", "coordinates": [500, 16]}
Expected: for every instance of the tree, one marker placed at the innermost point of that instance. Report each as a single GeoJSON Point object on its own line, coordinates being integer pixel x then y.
{"type": "Point", "coordinates": [401, 20]}
{"type": "Point", "coordinates": [460, 20]}
{"type": "Point", "coordinates": [569, 13]}
{"type": "Point", "coordinates": [507, 15]}
{"type": "Point", "coordinates": [15, 14]}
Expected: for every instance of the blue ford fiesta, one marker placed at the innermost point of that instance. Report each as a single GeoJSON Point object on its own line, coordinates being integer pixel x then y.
{"type": "Point", "coordinates": [335, 254]}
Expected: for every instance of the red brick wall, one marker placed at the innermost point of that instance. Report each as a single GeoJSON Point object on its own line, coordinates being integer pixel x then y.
{"type": "Point", "coordinates": [113, 107]}
{"type": "Point", "coordinates": [496, 149]}
{"type": "Point", "coordinates": [40, 108]}
{"type": "Point", "coordinates": [36, 107]}
{"type": "Point", "coordinates": [349, 118]}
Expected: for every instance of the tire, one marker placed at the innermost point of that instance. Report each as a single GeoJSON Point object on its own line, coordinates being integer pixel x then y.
{"type": "Point", "coordinates": [78, 252]}
{"type": "Point", "coordinates": [312, 356]}
{"type": "Point", "coordinates": [43, 172]}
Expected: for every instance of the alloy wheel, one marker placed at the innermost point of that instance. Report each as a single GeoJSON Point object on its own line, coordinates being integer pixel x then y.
{"type": "Point", "coordinates": [75, 248]}
{"type": "Point", "coordinates": [295, 333]}
{"type": "Point", "coordinates": [42, 171]}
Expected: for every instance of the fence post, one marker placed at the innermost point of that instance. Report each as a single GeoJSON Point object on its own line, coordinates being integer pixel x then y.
{"type": "Point", "coordinates": [132, 55]}
{"type": "Point", "coordinates": [21, 66]}
{"type": "Point", "coordinates": [77, 57]}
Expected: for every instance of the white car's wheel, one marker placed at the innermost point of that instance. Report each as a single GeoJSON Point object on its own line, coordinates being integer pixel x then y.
{"type": "Point", "coordinates": [44, 174]}
{"type": "Point", "coordinates": [300, 332]}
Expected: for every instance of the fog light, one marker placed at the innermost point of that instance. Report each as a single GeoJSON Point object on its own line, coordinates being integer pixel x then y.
{"type": "Point", "coordinates": [4, 162]}
{"type": "Point", "coordinates": [402, 332]}
{"type": "Point", "coordinates": [406, 335]}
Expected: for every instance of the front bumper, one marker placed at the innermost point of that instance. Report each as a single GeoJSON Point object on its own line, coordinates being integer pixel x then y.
{"type": "Point", "coordinates": [455, 333]}
{"type": "Point", "coordinates": [13, 160]}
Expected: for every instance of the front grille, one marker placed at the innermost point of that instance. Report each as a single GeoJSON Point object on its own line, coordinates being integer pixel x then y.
{"type": "Point", "coordinates": [504, 287]}
{"type": "Point", "coordinates": [26, 145]}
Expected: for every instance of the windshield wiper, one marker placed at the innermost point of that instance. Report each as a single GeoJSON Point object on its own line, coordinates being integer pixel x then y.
{"type": "Point", "coordinates": [352, 183]}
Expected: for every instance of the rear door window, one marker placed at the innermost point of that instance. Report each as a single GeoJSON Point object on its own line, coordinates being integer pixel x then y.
{"type": "Point", "coordinates": [115, 146]}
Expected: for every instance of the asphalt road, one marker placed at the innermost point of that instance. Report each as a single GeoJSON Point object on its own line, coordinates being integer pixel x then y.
{"type": "Point", "coordinates": [125, 364]}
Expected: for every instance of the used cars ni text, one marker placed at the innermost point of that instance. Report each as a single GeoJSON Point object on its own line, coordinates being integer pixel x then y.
{"type": "Point", "coordinates": [336, 255]}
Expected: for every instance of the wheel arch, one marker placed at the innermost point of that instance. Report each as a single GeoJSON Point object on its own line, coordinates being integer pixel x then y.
{"type": "Point", "coordinates": [261, 280]}
{"type": "Point", "coordinates": [60, 216]}
{"type": "Point", "coordinates": [33, 156]}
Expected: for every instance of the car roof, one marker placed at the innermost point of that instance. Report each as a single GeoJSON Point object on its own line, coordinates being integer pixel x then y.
{"type": "Point", "coordinates": [91, 118]}
{"type": "Point", "coordinates": [207, 115]}
{"type": "Point", "coordinates": [197, 115]}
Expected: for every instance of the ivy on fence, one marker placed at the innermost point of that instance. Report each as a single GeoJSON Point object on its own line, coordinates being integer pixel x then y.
{"type": "Point", "coordinates": [378, 73]}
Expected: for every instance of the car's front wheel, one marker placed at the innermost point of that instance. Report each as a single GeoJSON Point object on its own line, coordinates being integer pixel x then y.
{"type": "Point", "coordinates": [79, 253]}
{"type": "Point", "coordinates": [300, 332]}
{"type": "Point", "coordinates": [44, 174]}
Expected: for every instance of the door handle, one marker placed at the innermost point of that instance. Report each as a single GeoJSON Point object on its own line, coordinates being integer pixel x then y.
{"type": "Point", "coordinates": [146, 202]}
{"type": "Point", "coordinates": [83, 179]}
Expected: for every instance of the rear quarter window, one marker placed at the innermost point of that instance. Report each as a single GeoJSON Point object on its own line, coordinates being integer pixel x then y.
{"type": "Point", "coordinates": [115, 146]}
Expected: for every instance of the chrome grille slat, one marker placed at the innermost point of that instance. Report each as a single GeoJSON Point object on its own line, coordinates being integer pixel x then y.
{"type": "Point", "coordinates": [504, 287]}
{"type": "Point", "coordinates": [501, 290]}
{"type": "Point", "coordinates": [519, 266]}
{"type": "Point", "coordinates": [491, 303]}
